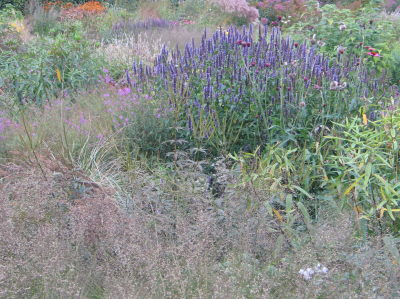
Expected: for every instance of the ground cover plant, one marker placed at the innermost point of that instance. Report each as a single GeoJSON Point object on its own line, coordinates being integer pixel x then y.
{"type": "Point", "coordinates": [199, 149]}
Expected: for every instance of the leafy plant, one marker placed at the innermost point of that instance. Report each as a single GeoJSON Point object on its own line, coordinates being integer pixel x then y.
{"type": "Point", "coordinates": [350, 31]}
{"type": "Point", "coordinates": [365, 167]}
{"type": "Point", "coordinates": [235, 93]}
{"type": "Point", "coordinates": [48, 67]}
{"type": "Point", "coordinates": [17, 4]}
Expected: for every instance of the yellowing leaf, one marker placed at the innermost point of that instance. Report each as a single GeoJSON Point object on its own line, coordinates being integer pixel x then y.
{"type": "Point", "coordinates": [278, 215]}
{"type": "Point", "coordinates": [58, 73]}
{"type": "Point", "coordinates": [351, 187]}
{"type": "Point", "coordinates": [365, 119]}
{"type": "Point", "coordinates": [358, 209]}
{"type": "Point", "coordinates": [382, 212]}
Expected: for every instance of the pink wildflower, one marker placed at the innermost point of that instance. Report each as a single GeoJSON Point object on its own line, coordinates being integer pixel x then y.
{"type": "Point", "coordinates": [374, 54]}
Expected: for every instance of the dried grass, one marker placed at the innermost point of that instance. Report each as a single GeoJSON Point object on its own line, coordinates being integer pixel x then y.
{"type": "Point", "coordinates": [67, 237]}
{"type": "Point", "coordinates": [127, 49]}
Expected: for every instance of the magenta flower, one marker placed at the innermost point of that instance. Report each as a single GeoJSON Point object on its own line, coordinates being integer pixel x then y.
{"type": "Point", "coordinates": [374, 54]}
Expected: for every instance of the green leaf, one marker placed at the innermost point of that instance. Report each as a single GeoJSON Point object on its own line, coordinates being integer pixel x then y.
{"type": "Point", "coordinates": [302, 191]}
{"type": "Point", "coordinates": [289, 203]}
{"type": "Point", "coordinates": [368, 170]}
{"type": "Point", "coordinates": [306, 216]}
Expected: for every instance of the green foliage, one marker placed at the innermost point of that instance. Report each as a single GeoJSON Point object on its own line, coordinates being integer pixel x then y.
{"type": "Point", "coordinates": [393, 64]}
{"type": "Point", "coordinates": [364, 167]}
{"type": "Point", "coordinates": [152, 130]}
{"type": "Point", "coordinates": [49, 66]}
{"type": "Point", "coordinates": [355, 31]}
{"type": "Point", "coordinates": [45, 22]}
{"type": "Point", "coordinates": [362, 25]}
{"type": "Point", "coordinates": [10, 21]}
{"type": "Point", "coordinates": [9, 13]}
{"type": "Point", "coordinates": [359, 164]}
{"type": "Point", "coordinates": [17, 4]}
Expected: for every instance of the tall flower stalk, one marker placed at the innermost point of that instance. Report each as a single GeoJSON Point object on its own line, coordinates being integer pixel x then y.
{"type": "Point", "coordinates": [243, 87]}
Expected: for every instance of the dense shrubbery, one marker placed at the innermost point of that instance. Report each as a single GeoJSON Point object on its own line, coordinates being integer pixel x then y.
{"type": "Point", "coordinates": [233, 92]}
{"type": "Point", "coordinates": [358, 32]}
{"type": "Point", "coordinates": [18, 4]}
{"type": "Point", "coordinates": [49, 67]}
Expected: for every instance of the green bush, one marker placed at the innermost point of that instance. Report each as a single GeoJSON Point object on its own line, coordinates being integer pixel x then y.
{"type": "Point", "coordinates": [355, 32]}
{"type": "Point", "coordinates": [49, 66]}
{"type": "Point", "coordinates": [17, 4]}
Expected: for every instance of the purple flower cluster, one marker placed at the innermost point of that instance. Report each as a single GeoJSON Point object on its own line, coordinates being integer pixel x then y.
{"type": "Point", "coordinates": [120, 105]}
{"type": "Point", "coordinates": [6, 124]}
{"type": "Point", "coordinates": [134, 26]}
{"type": "Point", "coordinates": [259, 73]}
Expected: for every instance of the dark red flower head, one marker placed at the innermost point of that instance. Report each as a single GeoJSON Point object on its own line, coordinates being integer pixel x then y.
{"type": "Point", "coordinates": [279, 18]}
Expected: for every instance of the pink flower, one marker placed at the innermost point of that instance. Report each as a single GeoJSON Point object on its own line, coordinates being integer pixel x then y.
{"type": "Point", "coordinates": [374, 54]}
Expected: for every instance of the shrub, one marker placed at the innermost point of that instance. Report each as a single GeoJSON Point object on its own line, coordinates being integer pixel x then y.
{"type": "Point", "coordinates": [48, 67]}
{"type": "Point", "coordinates": [236, 93]}
{"type": "Point", "coordinates": [239, 7]}
{"type": "Point", "coordinates": [271, 9]}
{"type": "Point", "coordinates": [17, 4]}
{"type": "Point", "coordinates": [350, 29]}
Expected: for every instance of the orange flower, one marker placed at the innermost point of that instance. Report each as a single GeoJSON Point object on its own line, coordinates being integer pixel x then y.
{"type": "Point", "coordinates": [67, 5]}
{"type": "Point", "coordinates": [92, 7]}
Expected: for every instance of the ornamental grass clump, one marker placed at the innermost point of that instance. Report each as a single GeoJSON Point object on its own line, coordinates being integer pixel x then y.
{"type": "Point", "coordinates": [238, 89]}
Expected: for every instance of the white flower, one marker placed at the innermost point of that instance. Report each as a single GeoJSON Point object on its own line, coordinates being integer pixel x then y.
{"type": "Point", "coordinates": [309, 272]}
